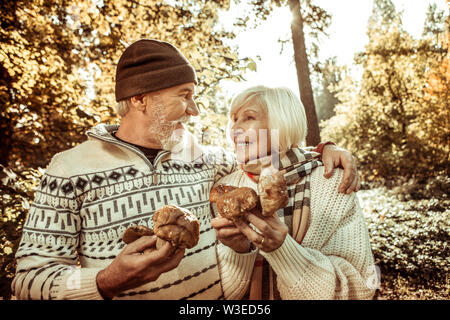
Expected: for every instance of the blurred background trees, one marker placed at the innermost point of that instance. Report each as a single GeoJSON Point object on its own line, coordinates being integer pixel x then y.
{"type": "Point", "coordinates": [396, 120]}
{"type": "Point", "coordinates": [58, 62]}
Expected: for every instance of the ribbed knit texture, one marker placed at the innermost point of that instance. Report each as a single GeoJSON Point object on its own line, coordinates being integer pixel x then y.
{"type": "Point", "coordinates": [236, 270]}
{"type": "Point", "coordinates": [334, 260]}
{"type": "Point", "coordinates": [87, 198]}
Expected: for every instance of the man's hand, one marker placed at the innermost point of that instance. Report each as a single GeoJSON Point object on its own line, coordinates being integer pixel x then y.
{"type": "Point", "coordinates": [230, 235]}
{"type": "Point", "coordinates": [334, 157]}
{"type": "Point", "coordinates": [132, 267]}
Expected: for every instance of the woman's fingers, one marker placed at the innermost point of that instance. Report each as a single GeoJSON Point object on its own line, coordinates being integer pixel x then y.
{"type": "Point", "coordinates": [220, 222]}
{"type": "Point", "coordinates": [226, 233]}
{"type": "Point", "coordinates": [224, 228]}
{"type": "Point", "coordinates": [248, 231]}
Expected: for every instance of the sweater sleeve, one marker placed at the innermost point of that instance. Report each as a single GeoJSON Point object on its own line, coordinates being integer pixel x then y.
{"type": "Point", "coordinates": [335, 259]}
{"type": "Point", "coordinates": [235, 271]}
{"type": "Point", "coordinates": [47, 260]}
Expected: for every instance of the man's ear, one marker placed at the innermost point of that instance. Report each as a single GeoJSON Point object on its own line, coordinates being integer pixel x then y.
{"type": "Point", "coordinates": [138, 102]}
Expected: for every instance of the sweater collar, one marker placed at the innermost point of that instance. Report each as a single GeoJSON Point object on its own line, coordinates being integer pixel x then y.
{"type": "Point", "coordinates": [104, 132]}
{"type": "Point", "coordinates": [188, 151]}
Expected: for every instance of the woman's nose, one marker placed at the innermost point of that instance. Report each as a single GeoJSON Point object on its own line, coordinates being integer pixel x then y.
{"type": "Point", "coordinates": [235, 131]}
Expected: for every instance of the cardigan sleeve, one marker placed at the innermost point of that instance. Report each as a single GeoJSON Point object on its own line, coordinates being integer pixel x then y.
{"type": "Point", "coordinates": [334, 260]}
{"type": "Point", "coordinates": [47, 260]}
{"type": "Point", "coordinates": [235, 271]}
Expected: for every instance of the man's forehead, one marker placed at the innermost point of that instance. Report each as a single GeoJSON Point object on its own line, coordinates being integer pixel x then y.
{"type": "Point", "coordinates": [190, 86]}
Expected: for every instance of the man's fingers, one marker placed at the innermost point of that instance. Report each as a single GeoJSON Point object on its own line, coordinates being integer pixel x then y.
{"type": "Point", "coordinates": [354, 187]}
{"type": "Point", "coordinates": [328, 164]}
{"type": "Point", "coordinates": [169, 264]}
{"type": "Point", "coordinates": [175, 259]}
{"type": "Point", "coordinates": [158, 256]}
{"type": "Point", "coordinates": [358, 185]}
{"type": "Point", "coordinates": [141, 244]}
{"type": "Point", "coordinates": [349, 175]}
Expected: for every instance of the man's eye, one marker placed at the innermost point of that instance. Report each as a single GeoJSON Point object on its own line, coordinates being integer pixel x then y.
{"type": "Point", "coordinates": [250, 118]}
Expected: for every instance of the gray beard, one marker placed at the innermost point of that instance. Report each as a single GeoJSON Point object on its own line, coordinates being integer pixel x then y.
{"type": "Point", "coordinates": [165, 131]}
{"type": "Point", "coordinates": [167, 134]}
{"type": "Point", "coordinates": [169, 142]}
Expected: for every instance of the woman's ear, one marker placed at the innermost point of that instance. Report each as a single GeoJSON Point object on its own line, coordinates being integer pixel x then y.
{"type": "Point", "coordinates": [138, 103]}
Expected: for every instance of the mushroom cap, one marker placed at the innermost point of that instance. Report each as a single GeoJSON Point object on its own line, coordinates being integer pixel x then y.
{"type": "Point", "coordinates": [177, 225]}
{"type": "Point", "coordinates": [218, 191]}
{"type": "Point", "coordinates": [273, 193]}
{"type": "Point", "coordinates": [135, 232]}
{"type": "Point", "coordinates": [233, 204]}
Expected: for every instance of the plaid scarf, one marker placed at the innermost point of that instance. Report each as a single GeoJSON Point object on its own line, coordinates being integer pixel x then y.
{"type": "Point", "coordinates": [296, 165]}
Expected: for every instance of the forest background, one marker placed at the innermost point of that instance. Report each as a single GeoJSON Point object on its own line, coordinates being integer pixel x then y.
{"type": "Point", "coordinates": [57, 65]}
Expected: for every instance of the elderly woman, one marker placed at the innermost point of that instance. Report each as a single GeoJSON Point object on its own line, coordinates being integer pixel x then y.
{"type": "Point", "coordinates": [317, 247]}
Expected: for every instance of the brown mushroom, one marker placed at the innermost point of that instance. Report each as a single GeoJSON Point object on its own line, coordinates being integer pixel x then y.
{"type": "Point", "coordinates": [232, 203]}
{"type": "Point", "coordinates": [176, 225]}
{"type": "Point", "coordinates": [218, 191]}
{"type": "Point", "coordinates": [273, 193]}
{"type": "Point", "coordinates": [135, 232]}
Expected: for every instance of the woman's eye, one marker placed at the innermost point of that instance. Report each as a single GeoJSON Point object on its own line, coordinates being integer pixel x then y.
{"type": "Point", "coordinates": [250, 118]}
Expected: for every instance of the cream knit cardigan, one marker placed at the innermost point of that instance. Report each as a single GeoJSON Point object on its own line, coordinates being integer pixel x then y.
{"type": "Point", "coordinates": [334, 260]}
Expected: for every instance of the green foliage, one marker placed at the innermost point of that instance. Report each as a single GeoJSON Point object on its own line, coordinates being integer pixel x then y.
{"type": "Point", "coordinates": [328, 76]}
{"type": "Point", "coordinates": [409, 239]}
{"type": "Point", "coordinates": [58, 57]}
{"type": "Point", "coordinates": [16, 192]}
{"type": "Point", "coordinates": [396, 120]}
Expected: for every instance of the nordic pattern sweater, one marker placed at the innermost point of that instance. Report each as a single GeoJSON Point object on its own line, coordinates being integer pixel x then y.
{"type": "Point", "coordinates": [86, 199]}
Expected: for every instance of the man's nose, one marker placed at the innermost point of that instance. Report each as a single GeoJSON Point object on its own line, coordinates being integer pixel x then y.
{"type": "Point", "coordinates": [192, 109]}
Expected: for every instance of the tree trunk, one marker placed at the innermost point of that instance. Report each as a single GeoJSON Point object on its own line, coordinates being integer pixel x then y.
{"type": "Point", "coordinates": [304, 82]}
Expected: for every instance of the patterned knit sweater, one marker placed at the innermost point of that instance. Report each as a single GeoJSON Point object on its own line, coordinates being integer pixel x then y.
{"type": "Point", "coordinates": [334, 260]}
{"type": "Point", "coordinates": [86, 199]}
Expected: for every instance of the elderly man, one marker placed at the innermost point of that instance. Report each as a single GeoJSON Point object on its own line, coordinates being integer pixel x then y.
{"type": "Point", "coordinates": [72, 245]}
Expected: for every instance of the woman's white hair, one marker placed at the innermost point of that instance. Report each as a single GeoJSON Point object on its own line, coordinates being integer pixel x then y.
{"type": "Point", "coordinates": [284, 111]}
{"type": "Point", "coordinates": [122, 107]}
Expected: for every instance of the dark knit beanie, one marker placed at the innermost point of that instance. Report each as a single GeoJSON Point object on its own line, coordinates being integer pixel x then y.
{"type": "Point", "coordinates": [149, 65]}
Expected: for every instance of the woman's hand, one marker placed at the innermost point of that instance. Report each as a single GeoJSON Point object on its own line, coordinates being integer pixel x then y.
{"type": "Point", "coordinates": [271, 231]}
{"type": "Point", "coordinates": [334, 157]}
{"type": "Point", "coordinates": [230, 235]}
